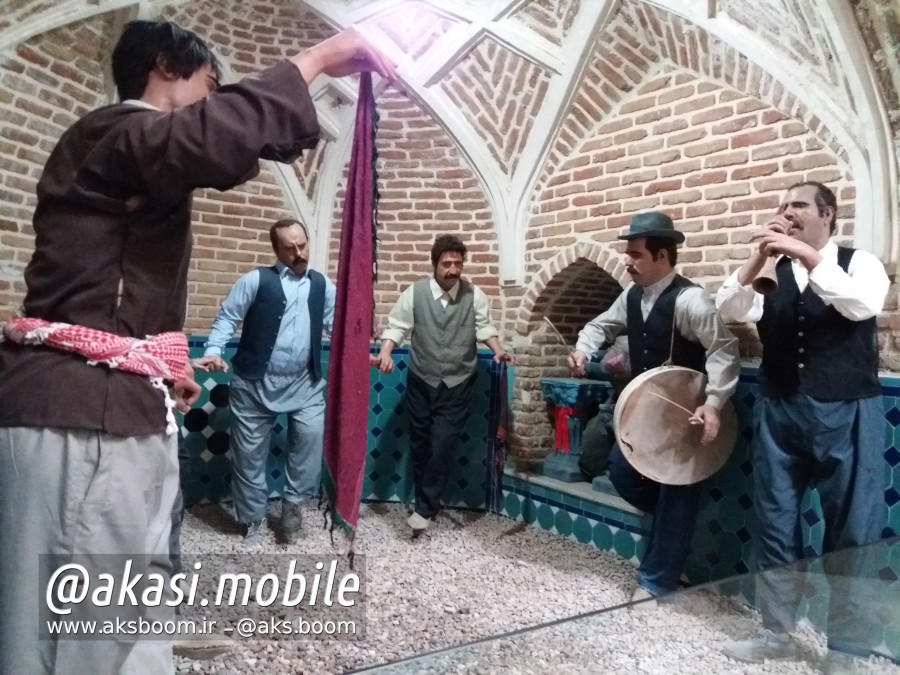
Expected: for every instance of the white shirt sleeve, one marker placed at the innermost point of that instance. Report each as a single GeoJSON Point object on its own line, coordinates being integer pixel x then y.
{"type": "Point", "coordinates": [738, 304]}
{"type": "Point", "coordinates": [400, 320]}
{"type": "Point", "coordinates": [857, 294]}
{"type": "Point", "coordinates": [605, 328]}
{"type": "Point", "coordinates": [698, 320]}
{"type": "Point", "coordinates": [484, 328]}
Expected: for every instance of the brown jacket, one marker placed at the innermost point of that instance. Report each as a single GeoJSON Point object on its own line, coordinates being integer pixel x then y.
{"type": "Point", "coordinates": [114, 208]}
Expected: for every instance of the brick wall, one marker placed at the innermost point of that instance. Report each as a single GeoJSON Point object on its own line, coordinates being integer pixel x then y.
{"type": "Point", "coordinates": [426, 190]}
{"type": "Point", "coordinates": [714, 159]}
{"type": "Point", "coordinates": [502, 93]}
{"type": "Point", "coordinates": [231, 229]}
{"type": "Point", "coordinates": [667, 119]}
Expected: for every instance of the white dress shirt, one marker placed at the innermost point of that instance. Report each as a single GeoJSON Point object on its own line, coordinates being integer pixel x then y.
{"type": "Point", "coordinates": [400, 320]}
{"type": "Point", "coordinates": [696, 320]}
{"type": "Point", "coordinates": [857, 294]}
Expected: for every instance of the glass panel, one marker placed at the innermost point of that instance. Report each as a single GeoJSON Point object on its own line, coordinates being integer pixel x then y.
{"type": "Point", "coordinates": [856, 592]}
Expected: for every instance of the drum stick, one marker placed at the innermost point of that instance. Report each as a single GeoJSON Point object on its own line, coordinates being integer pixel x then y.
{"type": "Point", "coordinates": [562, 340]}
{"type": "Point", "coordinates": [694, 419]}
{"type": "Point", "coordinates": [558, 334]}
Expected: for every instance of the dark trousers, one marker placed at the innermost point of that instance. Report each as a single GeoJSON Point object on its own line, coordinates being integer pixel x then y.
{"type": "Point", "coordinates": [674, 509]}
{"type": "Point", "coordinates": [838, 448]}
{"type": "Point", "coordinates": [437, 418]}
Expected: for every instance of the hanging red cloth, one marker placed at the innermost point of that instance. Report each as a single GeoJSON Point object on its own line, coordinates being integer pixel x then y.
{"type": "Point", "coordinates": [562, 427]}
{"type": "Point", "coordinates": [347, 398]}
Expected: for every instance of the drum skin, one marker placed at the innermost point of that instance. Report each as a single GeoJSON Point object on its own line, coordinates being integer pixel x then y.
{"type": "Point", "coordinates": [656, 435]}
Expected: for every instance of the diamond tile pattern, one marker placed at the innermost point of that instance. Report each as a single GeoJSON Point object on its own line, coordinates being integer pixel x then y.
{"type": "Point", "coordinates": [388, 475]}
{"type": "Point", "coordinates": [722, 544]}
{"type": "Point", "coordinates": [723, 541]}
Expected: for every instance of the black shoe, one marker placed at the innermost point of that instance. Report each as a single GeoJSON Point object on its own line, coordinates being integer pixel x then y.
{"type": "Point", "coordinates": [291, 518]}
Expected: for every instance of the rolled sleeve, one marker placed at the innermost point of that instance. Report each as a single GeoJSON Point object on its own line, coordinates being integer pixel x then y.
{"type": "Point", "coordinates": [484, 328]}
{"type": "Point", "coordinates": [704, 325]}
{"type": "Point", "coordinates": [231, 314]}
{"type": "Point", "coordinates": [328, 315]}
{"type": "Point", "coordinates": [604, 328]}
{"type": "Point", "coordinates": [400, 320]}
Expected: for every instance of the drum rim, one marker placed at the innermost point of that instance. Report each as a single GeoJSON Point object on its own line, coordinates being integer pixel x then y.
{"type": "Point", "coordinates": [635, 382]}
{"type": "Point", "coordinates": [727, 414]}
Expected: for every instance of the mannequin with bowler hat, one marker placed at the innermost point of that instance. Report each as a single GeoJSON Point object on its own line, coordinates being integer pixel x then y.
{"type": "Point", "coordinates": [647, 310]}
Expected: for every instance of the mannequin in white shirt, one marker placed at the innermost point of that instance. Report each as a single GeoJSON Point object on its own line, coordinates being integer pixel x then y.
{"type": "Point", "coordinates": [819, 421]}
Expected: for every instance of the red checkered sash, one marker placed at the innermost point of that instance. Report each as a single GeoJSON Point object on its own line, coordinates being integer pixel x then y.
{"type": "Point", "coordinates": [159, 357]}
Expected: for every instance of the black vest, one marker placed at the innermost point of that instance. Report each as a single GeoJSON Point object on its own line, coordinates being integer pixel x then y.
{"type": "Point", "coordinates": [263, 321]}
{"type": "Point", "coordinates": [809, 346]}
{"type": "Point", "coordinates": [649, 341]}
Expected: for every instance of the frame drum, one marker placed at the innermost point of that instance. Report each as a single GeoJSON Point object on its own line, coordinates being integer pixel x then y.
{"type": "Point", "coordinates": [652, 423]}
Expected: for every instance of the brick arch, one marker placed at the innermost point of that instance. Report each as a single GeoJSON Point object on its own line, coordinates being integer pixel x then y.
{"type": "Point", "coordinates": [679, 132]}
{"type": "Point", "coordinates": [558, 274]}
{"type": "Point", "coordinates": [572, 288]}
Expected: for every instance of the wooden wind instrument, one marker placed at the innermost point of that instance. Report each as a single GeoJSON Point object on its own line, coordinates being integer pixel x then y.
{"type": "Point", "coordinates": [766, 282]}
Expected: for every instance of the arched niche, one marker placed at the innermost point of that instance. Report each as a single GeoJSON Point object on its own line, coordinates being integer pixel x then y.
{"type": "Point", "coordinates": [578, 284]}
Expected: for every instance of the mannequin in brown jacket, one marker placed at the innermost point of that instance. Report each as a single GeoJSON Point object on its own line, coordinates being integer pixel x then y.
{"type": "Point", "coordinates": [85, 464]}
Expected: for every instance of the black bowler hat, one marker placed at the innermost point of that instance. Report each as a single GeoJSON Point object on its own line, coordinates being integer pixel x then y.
{"type": "Point", "coordinates": [652, 224]}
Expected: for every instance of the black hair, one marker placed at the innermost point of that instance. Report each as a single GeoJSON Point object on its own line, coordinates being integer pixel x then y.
{"type": "Point", "coordinates": [144, 45]}
{"type": "Point", "coordinates": [447, 243]}
{"type": "Point", "coordinates": [656, 244]}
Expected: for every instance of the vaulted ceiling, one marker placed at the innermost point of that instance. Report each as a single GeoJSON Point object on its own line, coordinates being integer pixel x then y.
{"type": "Point", "coordinates": [505, 79]}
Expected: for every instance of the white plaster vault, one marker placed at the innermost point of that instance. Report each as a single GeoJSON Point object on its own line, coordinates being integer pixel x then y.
{"type": "Point", "coordinates": [813, 48]}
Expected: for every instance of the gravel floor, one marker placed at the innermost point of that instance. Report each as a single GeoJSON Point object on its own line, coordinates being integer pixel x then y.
{"type": "Point", "coordinates": [476, 575]}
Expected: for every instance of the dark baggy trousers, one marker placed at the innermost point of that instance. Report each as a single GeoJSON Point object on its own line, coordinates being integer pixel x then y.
{"type": "Point", "coordinates": [437, 419]}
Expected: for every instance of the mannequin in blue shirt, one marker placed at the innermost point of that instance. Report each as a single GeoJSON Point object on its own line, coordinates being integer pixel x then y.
{"type": "Point", "coordinates": [277, 369]}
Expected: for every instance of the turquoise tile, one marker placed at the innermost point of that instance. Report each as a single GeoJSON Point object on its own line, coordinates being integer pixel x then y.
{"type": "Point", "coordinates": [623, 543]}
{"type": "Point", "coordinates": [545, 516]}
{"type": "Point", "coordinates": [513, 505]}
{"type": "Point", "coordinates": [389, 398]}
{"type": "Point", "coordinates": [640, 546]}
{"type": "Point", "coordinates": [582, 529]}
{"type": "Point", "coordinates": [733, 518]}
{"type": "Point", "coordinates": [571, 501]}
{"type": "Point", "coordinates": [512, 482]}
{"type": "Point", "coordinates": [603, 537]}
{"type": "Point", "coordinates": [563, 522]}
{"type": "Point", "coordinates": [534, 489]}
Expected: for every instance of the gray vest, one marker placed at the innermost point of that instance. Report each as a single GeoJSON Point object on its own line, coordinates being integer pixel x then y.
{"type": "Point", "coordinates": [442, 348]}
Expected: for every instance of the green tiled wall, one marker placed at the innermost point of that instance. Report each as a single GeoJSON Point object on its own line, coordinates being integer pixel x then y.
{"type": "Point", "coordinates": [722, 545]}
{"type": "Point", "coordinates": [388, 474]}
